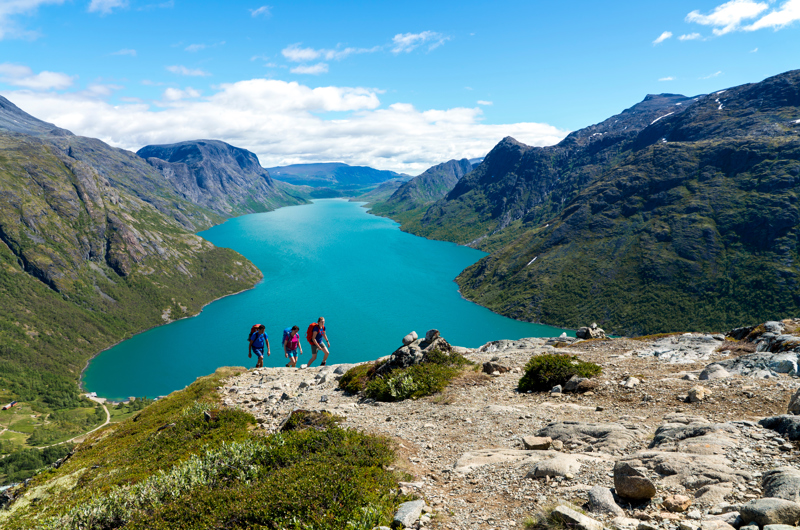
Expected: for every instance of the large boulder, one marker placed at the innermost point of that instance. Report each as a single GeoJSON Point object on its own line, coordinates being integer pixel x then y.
{"type": "Point", "coordinates": [770, 511]}
{"type": "Point", "coordinates": [632, 483]}
{"type": "Point", "coordinates": [414, 352]}
{"type": "Point", "coordinates": [794, 403]}
{"type": "Point", "coordinates": [788, 425]}
{"type": "Point", "coordinates": [411, 337]}
{"type": "Point", "coordinates": [590, 332]}
{"type": "Point", "coordinates": [612, 438]}
{"type": "Point", "coordinates": [701, 438]}
{"type": "Point", "coordinates": [601, 500]}
{"type": "Point", "coordinates": [782, 483]}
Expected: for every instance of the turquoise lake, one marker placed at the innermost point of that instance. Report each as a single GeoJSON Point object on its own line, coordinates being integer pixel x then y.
{"type": "Point", "coordinates": [371, 282]}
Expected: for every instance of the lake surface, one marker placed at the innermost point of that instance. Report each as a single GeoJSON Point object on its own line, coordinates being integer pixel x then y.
{"type": "Point", "coordinates": [371, 282]}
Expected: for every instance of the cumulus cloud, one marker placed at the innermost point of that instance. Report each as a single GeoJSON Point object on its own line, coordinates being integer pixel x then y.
{"type": "Point", "coordinates": [729, 16]}
{"type": "Point", "coordinates": [690, 36]}
{"type": "Point", "coordinates": [406, 42]}
{"type": "Point", "coordinates": [263, 11]}
{"type": "Point", "coordinates": [314, 69]}
{"type": "Point", "coordinates": [284, 123]}
{"type": "Point", "coordinates": [669, 78]}
{"type": "Point", "coordinates": [125, 51]}
{"type": "Point", "coordinates": [105, 7]}
{"type": "Point", "coordinates": [22, 76]}
{"type": "Point", "coordinates": [661, 38]}
{"type": "Point", "coordinates": [787, 13]}
{"type": "Point", "coordinates": [10, 9]}
{"type": "Point", "coordinates": [192, 72]}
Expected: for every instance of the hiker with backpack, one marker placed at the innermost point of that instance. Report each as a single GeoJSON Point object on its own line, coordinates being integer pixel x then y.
{"type": "Point", "coordinates": [314, 335]}
{"type": "Point", "coordinates": [256, 342]}
{"type": "Point", "coordinates": [291, 343]}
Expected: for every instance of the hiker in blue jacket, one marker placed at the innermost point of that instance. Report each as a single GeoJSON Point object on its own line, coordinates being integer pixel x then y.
{"type": "Point", "coordinates": [258, 340]}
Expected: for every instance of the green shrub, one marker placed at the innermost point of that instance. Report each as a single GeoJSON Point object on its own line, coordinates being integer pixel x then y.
{"type": "Point", "coordinates": [355, 379]}
{"type": "Point", "coordinates": [299, 420]}
{"type": "Point", "coordinates": [543, 372]}
{"type": "Point", "coordinates": [432, 375]}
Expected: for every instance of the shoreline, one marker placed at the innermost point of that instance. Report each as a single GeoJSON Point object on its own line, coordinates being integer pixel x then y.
{"type": "Point", "coordinates": [81, 386]}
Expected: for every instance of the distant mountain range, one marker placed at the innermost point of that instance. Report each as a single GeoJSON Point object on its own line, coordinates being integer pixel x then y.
{"type": "Point", "coordinates": [678, 213]}
{"type": "Point", "coordinates": [334, 175]}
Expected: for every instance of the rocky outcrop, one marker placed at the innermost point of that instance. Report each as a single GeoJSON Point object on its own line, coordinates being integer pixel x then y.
{"type": "Point", "coordinates": [414, 352]}
{"type": "Point", "coordinates": [590, 332]}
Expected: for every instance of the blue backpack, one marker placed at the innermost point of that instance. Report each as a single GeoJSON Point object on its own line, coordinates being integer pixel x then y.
{"type": "Point", "coordinates": [287, 335]}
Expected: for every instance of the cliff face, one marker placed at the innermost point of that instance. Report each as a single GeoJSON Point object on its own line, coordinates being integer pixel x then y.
{"type": "Point", "coordinates": [96, 245]}
{"type": "Point", "coordinates": [223, 178]}
{"type": "Point", "coordinates": [335, 175]}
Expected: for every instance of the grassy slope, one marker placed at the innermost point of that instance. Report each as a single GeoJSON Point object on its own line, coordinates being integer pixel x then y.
{"type": "Point", "coordinates": [217, 474]}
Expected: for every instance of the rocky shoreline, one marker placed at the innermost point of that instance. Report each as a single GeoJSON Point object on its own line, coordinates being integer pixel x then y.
{"type": "Point", "coordinates": [659, 442]}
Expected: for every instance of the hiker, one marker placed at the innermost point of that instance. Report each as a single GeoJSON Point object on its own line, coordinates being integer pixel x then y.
{"type": "Point", "coordinates": [291, 343]}
{"type": "Point", "coordinates": [258, 339]}
{"type": "Point", "coordinates": [315, 335]}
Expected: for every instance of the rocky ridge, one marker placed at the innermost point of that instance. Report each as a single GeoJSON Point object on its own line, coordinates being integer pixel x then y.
{"type": "Point", "coordinates": [635, 452]}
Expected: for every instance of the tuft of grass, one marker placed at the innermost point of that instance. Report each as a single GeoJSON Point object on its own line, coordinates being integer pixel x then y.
{"type": "Point", "coordinates": [300, 420]}
{"type": "Point", "coordinates": [737, 347]}
{"type": "Point", "coordinates": [656, 336]}
{"type": "Point", "coordinates": [544, 519]}
{"type": "Point", "coordinates": [543, 372]}
{"type": "Point", "coordinates": [355, 380]}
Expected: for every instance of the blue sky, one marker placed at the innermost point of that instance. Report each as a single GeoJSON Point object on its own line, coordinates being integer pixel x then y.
{"type": "Point", "coordinates": [395, 85]}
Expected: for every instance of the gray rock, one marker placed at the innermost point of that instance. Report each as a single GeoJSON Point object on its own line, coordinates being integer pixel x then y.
{"type": "Point", "coordinates": [782, 483]}
{"type": "Point", "coordinates": [714, 371]}
{"type": "Point", "coordinates": [784, 363]}
{"type": "Point", "coordinates": [560, 466]}
{"type": "Point", "coordinates": [632, 483]}
{"type": "Point", "coordinates": [779, 527]}
{"type": "Point", "coordinates": [537, 442]}
{"type": "Point", "coordinates": [631, 382]}
{"type": "Point", "coordinates": [601, 500]}
{"type": "Point", "coordinates": [686, 348]}
{"type": "Point", "coordinates": [610, 438]}
{"type": "Point", "coordinates": [342, 369]}
{"type": "Point", "coordinates": [698, 393]}
{"type": "Point", "coordinates": [788, 425]}
{"type": "Point", "coordinates": [431, 335]}
{"type": "Point", "coordinates": [770, 511]}
{"type": "Point", "coordinates": [573, 383]}
{"type": "Point", "coordinates": [408, 513]}
{"type": "Point", "coordinates": [491, 367]}
{"type": "Point", "coordinates": [700, 438]}
{"type": "Point", "coordinates": [556, 389]}
{"type": "Point", "coordinates": [577, 520]}
{"type": "Point", "coordinates": [692, 471]}
{"type": "Point", "coordinates": [794, 403]}
{"type": "Point", "coordinates": [408, 339]}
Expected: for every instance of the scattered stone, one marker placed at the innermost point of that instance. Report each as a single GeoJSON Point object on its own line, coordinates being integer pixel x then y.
{"type": "Point", "coordinates": [342, 369]}
{"type": "Point", "coordinates": [689, 377]}
{"type": "Point", "coordinates": [323, 399]}
{"type": "Point", "coordinates": [408, 339]}
{"type": "Point", "coordinates": [574, 519]}
{"type": "Point", "coordinates": [601, 500]}
{"type": "Point", "coordinates": [490, 368]}
{"type": "Point", "coordinates": [677, 503]}
{"type": "Point", "coordinates": [632, 483]}
{"type": "Point", "coordinates": [537, 442]}
{"type": "Point", "coordinates": [556, 389]}
{"type": "Point", "coordinates": [631, 382]}
{"type": "Point", "coordinates": [770, 511]}
{"type": "Point", "coordinates": [408, 513]}
{"type": "Point", "coordinates": [698, 393]}
{"type": "Point", "coordinates": [714, 371]}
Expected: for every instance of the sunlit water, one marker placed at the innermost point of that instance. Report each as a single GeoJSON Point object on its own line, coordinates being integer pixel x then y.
{"type": "Point", "coordinates": [371, 282]}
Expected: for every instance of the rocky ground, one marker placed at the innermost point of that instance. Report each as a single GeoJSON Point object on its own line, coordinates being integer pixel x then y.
{"type": "Point", "coordinates": [485, 456]}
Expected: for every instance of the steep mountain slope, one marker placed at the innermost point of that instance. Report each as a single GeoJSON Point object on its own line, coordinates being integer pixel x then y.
{"type": "Point", "coordinates": [225, 179]}
{"type": "Point", "coordinates": [334, 175]}
{"type": "Point", "coordinates": [516, 182]}
{"type": "Point", "coordinates": [96, 246]}
{"type": "Point", "coordinates": [692, 223]}
{"type": "Point", "coordinates": [383, 191]}
{"type": "Point", "coordinates": [431, 185]}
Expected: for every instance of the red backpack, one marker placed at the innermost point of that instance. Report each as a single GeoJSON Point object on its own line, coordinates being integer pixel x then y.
{"type": "Point", "coordinates": [310, 331]}
{"type": "Point", "coordinates": [253, 330]}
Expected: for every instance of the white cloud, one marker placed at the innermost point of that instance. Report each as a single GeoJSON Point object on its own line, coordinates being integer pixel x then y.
{"type": "Point", "coordinates": [661, 38]}
{"type": "Point", "coordinates": [406, 42]}
{"type": "Point", "coordinates": [195, 47]}
{"type": "Point", "coordinates": [105, 7]}
{"type": "Point", "coordinates": [484, 102]}
{"type": "Point", "coordinates": [263, 11]}
{"type": "Point", "coordinates": [22, 76]}
{"type": "Point", "coordinates": [297, 54]}
{"type": "Point", "coordinates": [776, 19]}
{"type": "Point", "coordinates": [125, 51]}
{"type": "Point", "coordinates": [285, 123]}
{"type": "Point", "coordinates": [176, 94]}
{"type": "Point", "coordinates": [10, 9]}
{"type": "Point", "coordinates": [670, 78]}
{"type": "Point", "coordinates": [754, 50]}
{"type": "Point", "coordinates": [314, 69]}
{"type": "Point", "coordinates": [711, 76]}
{"type": "Point", "coordinates": [729, 16]}
{"type": "Point", "coordinates": [182, 70]}
{"type": "Point", "coordinates": [690, 36]}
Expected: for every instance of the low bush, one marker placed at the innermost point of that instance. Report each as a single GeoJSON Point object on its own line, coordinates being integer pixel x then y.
{"type": "Point", "coordinates": [429, 377]}
{"type": "Point", "coordinates": [543, 372]}
{"type": "Point", "coordinates": [299, 420]}
{"type": "Point", "coordinates": [355, 379]}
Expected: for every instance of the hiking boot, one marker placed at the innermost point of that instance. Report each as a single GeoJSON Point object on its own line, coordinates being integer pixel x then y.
{"type": "Point", "coordinates": [322, 363]}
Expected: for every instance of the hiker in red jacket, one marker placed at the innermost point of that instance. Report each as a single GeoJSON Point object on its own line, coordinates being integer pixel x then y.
{"type": "Point", "coordinates": [315, 335]}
